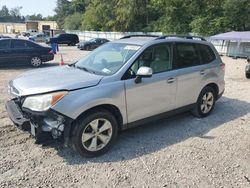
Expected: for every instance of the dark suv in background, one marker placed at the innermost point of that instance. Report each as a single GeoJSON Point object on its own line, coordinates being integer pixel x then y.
{"type": "Point", "coordinates": [64, 38]}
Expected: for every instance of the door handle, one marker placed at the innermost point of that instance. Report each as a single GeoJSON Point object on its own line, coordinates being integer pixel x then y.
{"type": "Point", "coordinates": [202, 72]}
{"type": "Point", "coordinates": [170, 80]}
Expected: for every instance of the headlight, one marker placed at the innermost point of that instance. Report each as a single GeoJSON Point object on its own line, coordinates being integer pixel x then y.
{"type": "Point", "coordinates": [43, 102]}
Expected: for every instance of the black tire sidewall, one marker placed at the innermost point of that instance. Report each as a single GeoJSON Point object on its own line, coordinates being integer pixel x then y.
{"type": "Point", "coordinates": [80, 126]}
{"type": "Point", "coordinates": [248, 75]}
{"type": "Point", "coordinates": [199, 101]}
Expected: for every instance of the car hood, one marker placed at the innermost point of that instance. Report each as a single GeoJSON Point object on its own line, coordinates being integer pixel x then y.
{"type": "Point", "coordinates": [52, 79]}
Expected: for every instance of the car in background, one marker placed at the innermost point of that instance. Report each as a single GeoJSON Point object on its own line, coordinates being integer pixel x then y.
{"type": "Point", "coordinates": [4, 37]}
{"type": "Point", "coordinates": [247, 70]}
{"type": "Point", "coordinates": [30, 32]}
{"type": "Point", "coordinates": [64, 38]}
{"type": "Point", "coordinates": [41, 37]}
{"type": "Point", "coordinates": [91, 44]}
{"type": "Point", "coordinates": [20, 51]}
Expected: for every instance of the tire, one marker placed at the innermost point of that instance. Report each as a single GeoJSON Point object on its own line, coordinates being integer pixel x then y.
{"type": "Point", "coordinates": [96, 141]}
{"type": "Point", "coordinates": [35, 61]}
{"type": "Point", "coordinates": [205, 103]}
{"type": "Point", "coordinates": [248, 75]}
{"type": "Point", "coordinates": [87, 48]}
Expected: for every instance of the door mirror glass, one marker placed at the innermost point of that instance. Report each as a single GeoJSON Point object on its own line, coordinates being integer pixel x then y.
{"type": "Point", "coordinates": [144, 72]}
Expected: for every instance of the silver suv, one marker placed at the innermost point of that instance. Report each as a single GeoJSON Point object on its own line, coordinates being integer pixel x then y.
{"type": "Point", "coordinates": [120, 84]}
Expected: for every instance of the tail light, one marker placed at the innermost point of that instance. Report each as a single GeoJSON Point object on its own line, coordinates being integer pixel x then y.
{"type": "Point", "coordinates": [222, 66]}
{"type": "Point", "coordinates": [51, 52]}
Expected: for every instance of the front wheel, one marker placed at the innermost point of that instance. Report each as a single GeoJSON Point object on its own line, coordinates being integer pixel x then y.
{"type": "Point", "coordinates": [205, 103]}
{"type": "Point", "coordinates": [95, 133]}
{"type": "Point", "coordinates": [36, 62]}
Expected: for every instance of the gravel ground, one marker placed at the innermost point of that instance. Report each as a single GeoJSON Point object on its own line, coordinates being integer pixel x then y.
{"type": "Point", "coordinates": [181, 151]}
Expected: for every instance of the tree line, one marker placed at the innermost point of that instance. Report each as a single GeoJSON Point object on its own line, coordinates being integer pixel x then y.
{"type": "Point", "coordinates": [168, 16]}
{"type": "Point", "coordinates": [205, 17]}
{"type": "Point", "coordinates": [14, 15]}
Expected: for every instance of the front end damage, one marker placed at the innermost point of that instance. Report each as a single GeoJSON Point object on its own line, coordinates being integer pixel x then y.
{"type": "Point", "coordinates": [41, 125]}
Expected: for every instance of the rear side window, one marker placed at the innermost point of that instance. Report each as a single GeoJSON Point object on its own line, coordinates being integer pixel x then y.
{"type": "Point", "coordinates": [206, 53]}
{"type": "Point", "coordinates": [4, 44]}
{"type": "Point", "coordinates": [31, 44]}
{"type": "Point", "coordinates": [18, 44]}
{"type": "Point", "coordinates": [186, 55]}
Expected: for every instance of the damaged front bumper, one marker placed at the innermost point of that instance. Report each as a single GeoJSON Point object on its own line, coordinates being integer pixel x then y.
{"type": "Point", "coordinates": [39, 124]}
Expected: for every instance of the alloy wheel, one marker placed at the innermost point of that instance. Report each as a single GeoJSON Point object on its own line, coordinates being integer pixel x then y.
{"type": "Point", "coordinates": [36, 61]}
{"type": "Point", "coordinates": [97, 134]}
{"type": "Point", "coordinates": [207, 102]}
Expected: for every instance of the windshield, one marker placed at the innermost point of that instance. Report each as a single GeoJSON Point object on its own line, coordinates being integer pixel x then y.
{"type": "Point", "coordinates": [108, 58]}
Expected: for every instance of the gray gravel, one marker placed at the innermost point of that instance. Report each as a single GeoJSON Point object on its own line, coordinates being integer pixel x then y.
{"type": "Point", "coordinates": [181, 151]}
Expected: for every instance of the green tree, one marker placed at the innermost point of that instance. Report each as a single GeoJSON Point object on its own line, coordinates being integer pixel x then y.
{"type": "Point", "coordinates": [237, 14]}
{"type": "Point", "coordinates": [4, 12]}
{"type": "Point", "coordinates": [63, 9]}
{"type": "Point", "coordinates": [34, 17]}
{"type": "Point", "coordinates": [73, 22]}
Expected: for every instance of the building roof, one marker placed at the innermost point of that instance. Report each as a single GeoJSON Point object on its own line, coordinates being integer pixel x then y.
{"type": "Point", "coordinates": [233, 35]}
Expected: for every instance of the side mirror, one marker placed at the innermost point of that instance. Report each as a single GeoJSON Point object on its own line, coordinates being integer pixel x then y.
{"type": "Point", "coordinates": [143, 72]}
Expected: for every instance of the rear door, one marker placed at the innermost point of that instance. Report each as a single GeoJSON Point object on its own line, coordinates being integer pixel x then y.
{"type": "Point", "coordinates": [190, 73]}
{"type": "Point", "coordinates": [21, 52]}
{"type": "Point", "coordinates": [5, 51]}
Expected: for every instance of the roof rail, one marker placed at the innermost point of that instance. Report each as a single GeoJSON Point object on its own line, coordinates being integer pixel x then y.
{"type": "Point", "coordinates": [182, 36]}
{"type": "Point", "coordinates": [130, 36]}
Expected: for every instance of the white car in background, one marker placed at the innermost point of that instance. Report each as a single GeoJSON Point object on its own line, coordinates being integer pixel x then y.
{"type": "Point", "coordinates": [40, 37]}
{"type": "Point", "coordinates": [30, 32]}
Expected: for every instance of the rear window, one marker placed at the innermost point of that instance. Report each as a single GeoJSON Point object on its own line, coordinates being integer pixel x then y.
{"type": "Point", "coordinates": [206, 53]}
{"type": "Point", "coordinates": [4, 44]}
{"type": "Point", "coordinates": [186, 55]}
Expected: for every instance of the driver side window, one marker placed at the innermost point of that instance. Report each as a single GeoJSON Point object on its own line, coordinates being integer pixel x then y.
{"type": "Point", "coordinates": [158, 57]}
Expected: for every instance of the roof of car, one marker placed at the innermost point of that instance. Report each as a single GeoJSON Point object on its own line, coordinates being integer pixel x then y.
{"type": "Point", "coordinates": [135, 40]}
{"type": "Point", "coordinates": [142, 40]}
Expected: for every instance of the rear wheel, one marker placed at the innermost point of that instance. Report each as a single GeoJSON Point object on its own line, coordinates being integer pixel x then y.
{"type": "Point", "coordinates": [95, 133]}
{"type": "Point", "coordinates": [36, 61]}
{"type": "Point", "coordinates": [205, 103]}
{"type": "Point", "coordinates": [87, 48]}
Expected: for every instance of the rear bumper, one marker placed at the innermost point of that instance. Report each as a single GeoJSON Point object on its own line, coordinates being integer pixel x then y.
{"type": "Point", "coordinates": [220, 95]}
{"type": "Point", "coordinates": [247, 69]}
{"type": "Point", "coordinates": [49, 57]}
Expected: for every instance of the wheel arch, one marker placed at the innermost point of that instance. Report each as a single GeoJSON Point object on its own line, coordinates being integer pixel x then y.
{"type": "Point", "coordinates": [215, 87]}
{"type": "Point", "coordinates": [108, 107]}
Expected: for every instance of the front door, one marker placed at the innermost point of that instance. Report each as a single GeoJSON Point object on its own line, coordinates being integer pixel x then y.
{"type": "Point", "coordinates": [152, 95]}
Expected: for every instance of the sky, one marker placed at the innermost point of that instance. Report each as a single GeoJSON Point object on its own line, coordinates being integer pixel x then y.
{"type": "Point", "coordinates": [44, 7]}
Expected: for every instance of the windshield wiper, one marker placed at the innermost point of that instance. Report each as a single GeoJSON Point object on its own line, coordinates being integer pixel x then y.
{"type": "Point", "coordinates": [85, 69]}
